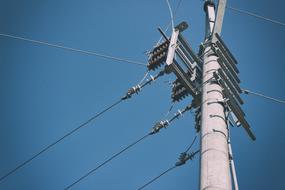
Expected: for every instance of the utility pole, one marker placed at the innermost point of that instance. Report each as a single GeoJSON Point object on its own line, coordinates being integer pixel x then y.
{"type": "Point", "coordinates": [213, 83]}
{"type": "Point", "coordinates": [215, 166]}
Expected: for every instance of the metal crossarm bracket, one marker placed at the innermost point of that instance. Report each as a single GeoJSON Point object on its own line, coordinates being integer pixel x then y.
{"type": "Point", "coordinates": [187, 79]}
{"type": "Point", "coordinates": [172, 47]}
{"type": "Point", "coordinates": [237, 111]}
{"type": "Point", "coordinates": [227, 66]}
{"type": "Point", "coordinates": [189, 49]}
{"type": "Point", "coordinates": [220, 43]}
{"type": "Point", "coordinates": [183, 78]}
{"type": "Point", "coordinates": [226, 83]}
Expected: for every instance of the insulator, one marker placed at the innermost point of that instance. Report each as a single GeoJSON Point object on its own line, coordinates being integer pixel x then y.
{"type": "Point", "coordinates": [198, 120]}
{"type": "Point", "coordinates": [179, 92]}
{"type": "Point", "coordinates": [163, 45]}
{"type": "Point", "coordinates": [158, 126]}
{"type": "Point", "coordinates": [158, 56]}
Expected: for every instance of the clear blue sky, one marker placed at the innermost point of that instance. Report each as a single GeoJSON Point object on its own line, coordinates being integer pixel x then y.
{"type": "Point", "coordinates": [46, 92]}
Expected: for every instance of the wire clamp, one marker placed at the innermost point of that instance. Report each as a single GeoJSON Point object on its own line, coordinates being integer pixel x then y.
{"type": "Point", "coordinates": [159, 125]}
{"type": "Point", "coordinates": [184, 157]}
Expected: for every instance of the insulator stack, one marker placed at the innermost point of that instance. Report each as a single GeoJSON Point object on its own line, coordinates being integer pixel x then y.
{"type": "Point", "coordinates": [158, 56]}
{"type": "Point", "coordinates": [179, 91]}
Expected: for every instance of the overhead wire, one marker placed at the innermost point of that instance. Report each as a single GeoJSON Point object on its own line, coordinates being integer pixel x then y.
{"type": "Point", "coordinates": [74, 50]}
{"type": "Point", "coordinates": [144, 77]}
{"type": "Point", "coordinates": [129, 94]}
{"type": "Point", "coordinates": [245, 91]}
{"type": "Point", "coordinates": [170, 22]}
{"type": "Point", "coordinates": [184, 157]}
{"type": "Point", "coordinates": [249, 13]}
{"type": "Point", "coordinates": [256, 16]}
{"type": "Point", "coordinates": [108, 160]}
{"type": "Point", "coordinates": [157, 177]}
{"type": "Point", "coordinates": [157, 127]}
{"type": "Point", "coordinates": [192, 143]}
{"type": "Point", "coordinates": [171, 13]}
{"type": "Point", "coordinates": [60, 139]}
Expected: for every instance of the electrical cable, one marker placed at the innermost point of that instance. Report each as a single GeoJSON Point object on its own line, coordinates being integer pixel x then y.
{"type": "Point", "coordinates": [256, 16]}
{"type": "Point", "coordinates": [263, 96]}
{"type": "Point", "coordinates": [169, 24]}
{"type": "Point", "coordinates": [169, 110]}
{"type": "Point", "coordinates": [193, 141]}
{"type": "Point", "coordinates": [75, 50]}
{"type": "Point", "coordinates": [171, 14]}
{"type": "Point", "coordinates": [130, 92]}
{"type": "Point", "coordinates": [155, 129]}
{"type": "Point", "coordinates": [184, 157]}
{"type": "Point", "coordinates": [144, 77]}
{"type": "Point", "coordinates": [108, 160]}
{"type": "Point", "coordinates": [60, 139]}
{"type": "Point", "coordinates": [157, 177]}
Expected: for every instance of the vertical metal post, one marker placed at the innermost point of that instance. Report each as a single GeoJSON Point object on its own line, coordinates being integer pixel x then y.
{"type": "Point", "coordinates": [233, 168]}
{"type": "Point", "coordinates": [215, 166]}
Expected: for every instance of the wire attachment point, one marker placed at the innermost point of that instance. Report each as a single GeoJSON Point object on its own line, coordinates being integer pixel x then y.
{"type": "Point", "coordinates": [158, 126]}
{"type": "Point", "coordinates": [136, 89]}
{"type": "Point", "coordinates": [184, 157]}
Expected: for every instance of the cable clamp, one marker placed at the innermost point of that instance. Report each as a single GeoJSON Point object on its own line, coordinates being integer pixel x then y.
{"type": "Point", "coordinates": [159, 125]}
{"type": "Point", "coordinates": [132, 91]}
{"type": "Point", "coordinates": [184, 157]}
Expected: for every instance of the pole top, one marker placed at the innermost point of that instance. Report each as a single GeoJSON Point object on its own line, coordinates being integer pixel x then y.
{"type": "Point", "coordinates": [182, 26]}
{"type": "Point", "coordinates": [208, 3]}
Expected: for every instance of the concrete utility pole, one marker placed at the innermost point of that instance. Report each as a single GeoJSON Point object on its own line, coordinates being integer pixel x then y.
{"type": "Point", "coordinates": [215, 166]}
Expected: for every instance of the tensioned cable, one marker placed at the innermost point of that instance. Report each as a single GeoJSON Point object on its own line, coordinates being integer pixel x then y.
{"type": "Point", "coordinates": [193, 141]}
{"type": "Point", "coordinates": [169, 24]}
{"type": "Point", "coordinates": [157, 177]}
{"type": "Point", "coordinates": [184, 157]}
{"type": "Point", "coordinates": [60, 139]}
{"type": "Point", "coordinates": [256, 16]}
{"type": "Point", "coordinates": [144, 77]}
{"type": "Point", "coordinates": [157, 127]}
{"type": "Point", "coordinates": [74, 50]}
{"type": "Point", "coordinates": [165, 172]}
{"type": "Point", "coordinates": [129, 94]}
{"type": "Point", "coordinates": [263, 96]}
{"type": "Point", "coordinates": [171, 13]}
{"type": "Point", "coordinates": [169, 110]}
{"type": "Point", "coordinates": [108, 160]}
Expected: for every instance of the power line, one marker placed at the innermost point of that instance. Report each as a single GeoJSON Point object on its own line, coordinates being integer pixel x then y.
{"type": "Point", "coordinates": [157, 127]}
{"type": "Point", "coordinates": [193, 141]}
{"type": "Point", "coordinates": [60, 139]}
{"type": "Point", "coordinates": [129, 94]}
{"type": "Point", "coordinates": [75, 50]}
{"type": "Point", "coordinates": [171, 13]}
{"type": "Point", "coordinates": [263, 96]}
{"type": "Point", "coordinates": [169, 24]}
{"type": "Point", "coordinates": [184, 157]}
{"type": "Point", "coordinates": [256, 16]}
{"type": "Point", "coordinates": [157, 177]}
{"type": "Point", "coordinates": [108, 160]}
